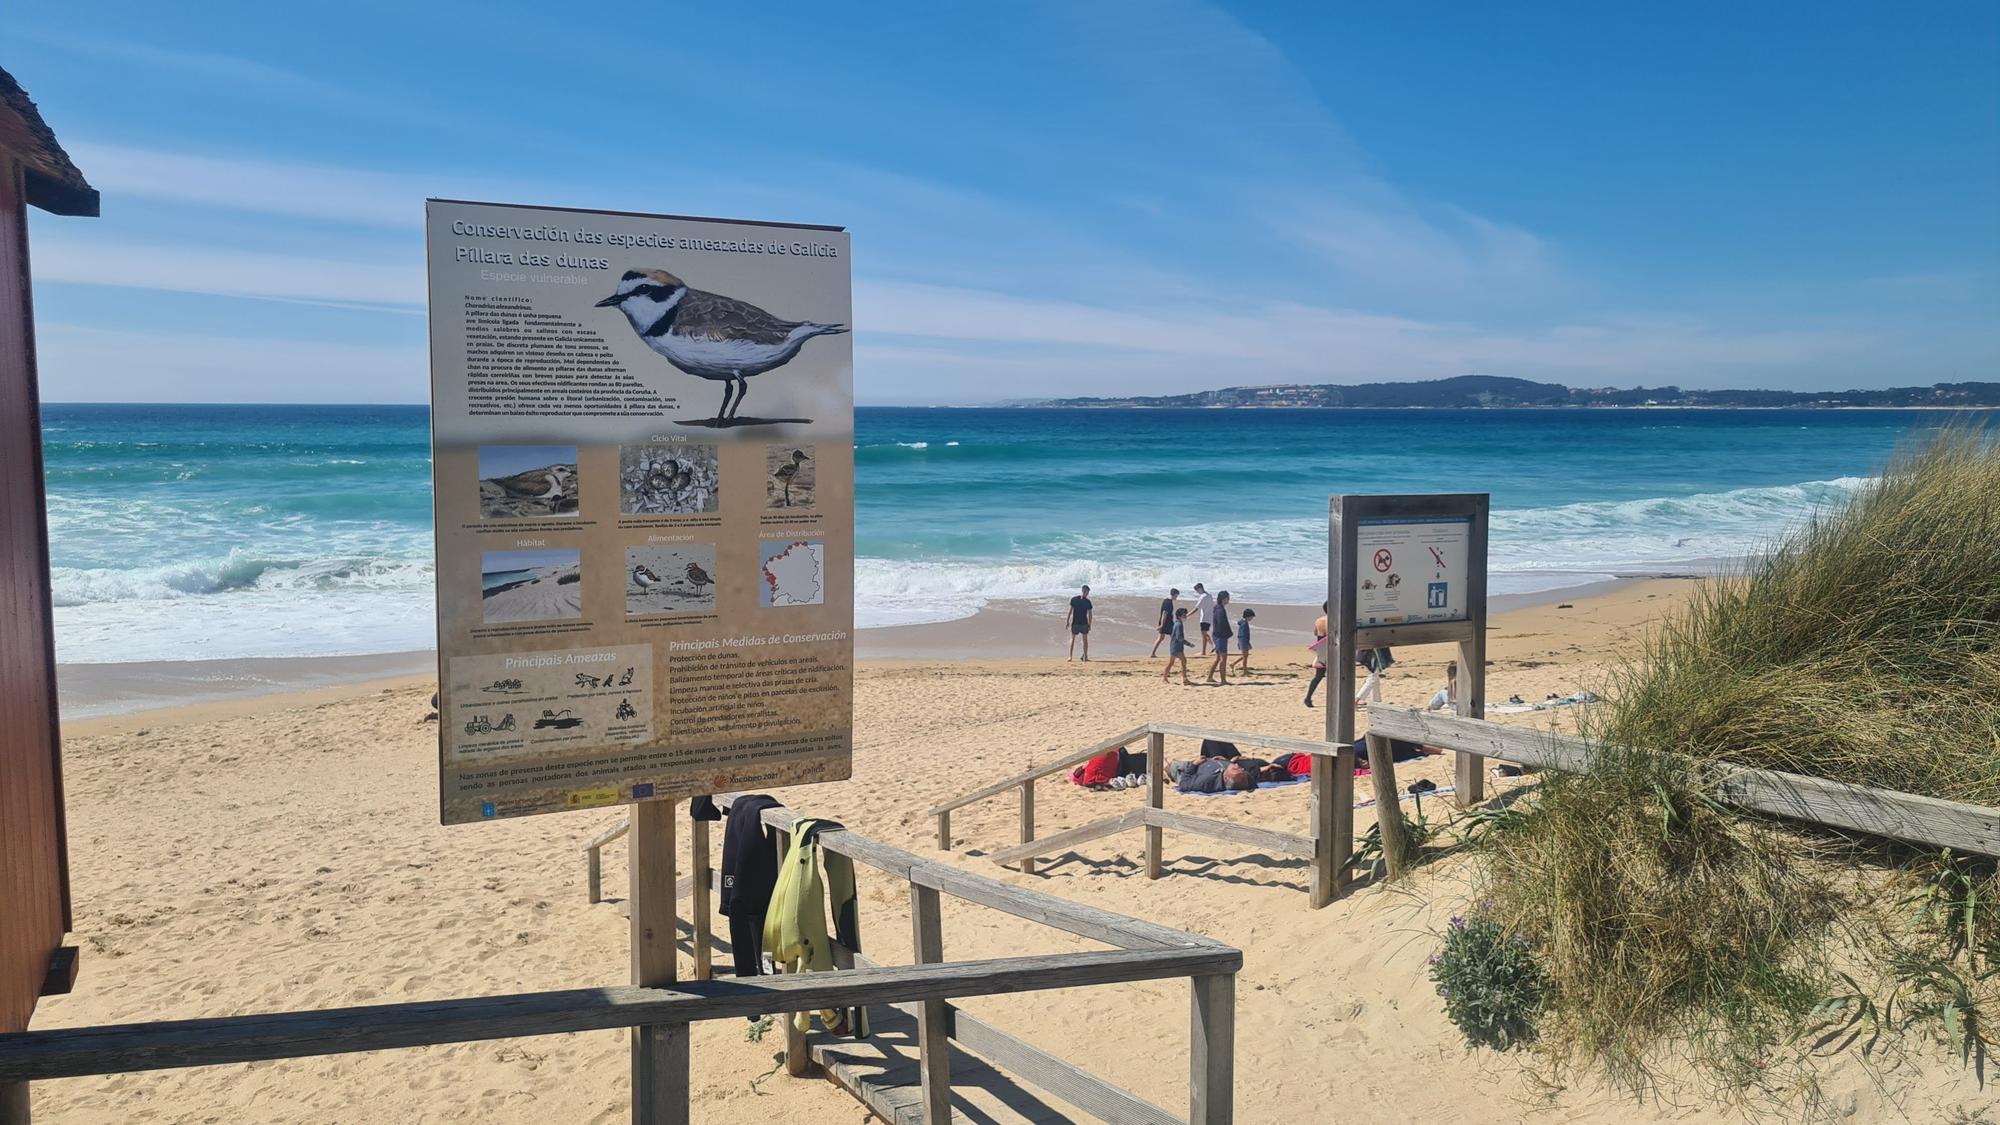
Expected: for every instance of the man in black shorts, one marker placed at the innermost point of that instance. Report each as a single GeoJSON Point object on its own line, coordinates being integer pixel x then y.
{"type": "Point", "coordinates": [1166, 619]}
{"type": "Point", "coordinates": [1079, 623]}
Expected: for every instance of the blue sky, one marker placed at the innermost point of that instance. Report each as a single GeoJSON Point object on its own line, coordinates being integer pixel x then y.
{"type": "Point", "coordinates": [1055, 199]}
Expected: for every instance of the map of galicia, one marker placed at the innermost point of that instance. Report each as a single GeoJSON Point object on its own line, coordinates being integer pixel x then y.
{"type": "Point", "coordinates": [794, 573]}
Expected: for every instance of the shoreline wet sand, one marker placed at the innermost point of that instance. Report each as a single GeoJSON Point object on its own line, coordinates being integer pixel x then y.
{"type": "Point", "coordinates": [1009, 630]}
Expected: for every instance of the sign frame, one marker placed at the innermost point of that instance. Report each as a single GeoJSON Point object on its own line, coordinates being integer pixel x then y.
{"type": "Point", "coordinates": [640, 754]}
{"type": "Point", "coordinates": [1345, 516]}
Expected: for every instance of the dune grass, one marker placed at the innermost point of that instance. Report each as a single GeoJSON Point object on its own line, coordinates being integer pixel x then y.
{"type": "Point", "coordinates": [1685, 941]}
{"type": "Point", "coordinates": [1865, 648]}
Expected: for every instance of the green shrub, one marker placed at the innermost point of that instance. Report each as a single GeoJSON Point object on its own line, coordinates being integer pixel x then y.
{"type": "Point", "coordinates": [1491, 984]}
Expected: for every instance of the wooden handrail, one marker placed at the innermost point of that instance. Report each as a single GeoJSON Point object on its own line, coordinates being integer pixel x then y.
{"type": "Point", "coordinates": [1328, 846]}
{"type": "Point", "coordinates": [1211, 1026]}
{"type": "Point", "coordinates": [1274, 742]}
{"type": "Point", "coordinates": [1113, 743]}
{"type": "Point", "coordinates": [1268, 741]}
{"type": "Point", "coordinates": [123, 1048]}
{"type": "Point", "coordinates": [1974, 829]}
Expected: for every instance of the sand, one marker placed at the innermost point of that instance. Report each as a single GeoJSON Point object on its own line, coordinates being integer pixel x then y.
{"type": "Point", "coordinates": [283, 853]}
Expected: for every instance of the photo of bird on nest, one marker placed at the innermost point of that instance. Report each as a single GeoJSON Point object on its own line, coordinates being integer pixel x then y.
{"type": "Point", "coordinates": [710, 336]}
{"type": "Point", "coordinates": [662, 579]}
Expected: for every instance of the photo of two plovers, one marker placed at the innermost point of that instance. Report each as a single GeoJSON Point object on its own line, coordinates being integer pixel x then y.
{"type": "Point", "coordinates": [710, 336]}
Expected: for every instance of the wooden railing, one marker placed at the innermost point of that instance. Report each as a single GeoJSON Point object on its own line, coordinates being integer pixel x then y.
{"type": "Point", "coordinates": [1327, 845]}
{"type": "Point", "coordinates": [1972, 829]}
{"type": "Point", "coordinates": [1142, 951]}
{"type": "Point", "coordinates": [1212, 1050]}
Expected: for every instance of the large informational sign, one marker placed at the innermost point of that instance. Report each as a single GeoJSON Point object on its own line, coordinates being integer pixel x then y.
{"type": "Point", "coordinates": [643, 457]}
{"type": "Point", "coordinates": [1412, 570]}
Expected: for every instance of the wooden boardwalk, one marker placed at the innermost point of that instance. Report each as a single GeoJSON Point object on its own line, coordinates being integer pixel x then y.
{"type": "Point", "coordinates": [883, 1072]}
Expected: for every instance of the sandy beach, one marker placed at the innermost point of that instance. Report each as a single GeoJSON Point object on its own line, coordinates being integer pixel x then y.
{"type": "Point", "coordinates": [284, 852]}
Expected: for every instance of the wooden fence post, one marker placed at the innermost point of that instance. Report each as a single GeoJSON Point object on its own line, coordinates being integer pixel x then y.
{"type": "Point", "coordinates": [1388, 805]}
{"type": "Point", "coordinates": [659, 1051]}
{"type": "Point", "coordinates": [14, 1103]}
{"type": "Point", "coordinates": [1156, 787]}
{"type": "Point", "coordinates": [944, 831]}
{"type": "Point", "coordinates": [933, 1019]}
{"type": "Point", "coordinates": [594, 875]}
{"type": "Point", "coordinates": [1470, 769]}
{"type": "Point", "coordinates": [1028, 823]}
{"type": "Point", "coordinates": [1332, 823]}
{"type": "Point", "coordinates": [704, 883]}
{"type": "Point", "coordinates": [1212, 1050]}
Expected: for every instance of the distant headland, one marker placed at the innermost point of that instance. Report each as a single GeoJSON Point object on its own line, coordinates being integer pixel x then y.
{"type": "Point", "coordinates": [1500, 391]}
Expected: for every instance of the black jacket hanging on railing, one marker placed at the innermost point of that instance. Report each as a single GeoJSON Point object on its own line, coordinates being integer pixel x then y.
{"type": "Point", "coordinates": [749, 872]}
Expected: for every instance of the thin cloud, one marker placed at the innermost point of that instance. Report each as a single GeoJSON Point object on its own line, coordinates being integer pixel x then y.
{"type": "Point", "coordinates": [82, 363]}
{"type": "Point", "coordinates": [310, 191]}
{"type": "Point", "coordinates": [61, 255]}
{"type": "Point", "coordinates": [234, 72]}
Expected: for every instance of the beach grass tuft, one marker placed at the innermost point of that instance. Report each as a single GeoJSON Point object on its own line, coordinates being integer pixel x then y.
{"type": "Point", "coordinates": [1865, 648]}
{"type": "Point", "coordinates": [1683, 940]}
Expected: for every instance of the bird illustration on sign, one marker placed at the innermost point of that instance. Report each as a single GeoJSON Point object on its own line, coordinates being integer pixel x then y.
{"type": "Point", "coordinates": [711, 336]}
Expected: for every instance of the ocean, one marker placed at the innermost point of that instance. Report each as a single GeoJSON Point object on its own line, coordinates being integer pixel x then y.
{"type": "Point", "coordinates": [217, 532]}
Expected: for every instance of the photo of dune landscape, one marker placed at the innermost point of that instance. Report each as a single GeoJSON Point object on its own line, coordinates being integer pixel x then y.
{"type": "Point", "coordinates": [530, 586]}
{"type": "Point", "coordinates": [526, 481]}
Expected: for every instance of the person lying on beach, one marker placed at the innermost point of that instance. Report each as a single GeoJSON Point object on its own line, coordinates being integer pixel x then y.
{"type": "Point", "coordinates": [1167, 614]}
{"type": "Point", "coordinates": [1177, 647]}
{"type": "Point", "coordinates": [1211, 775]}
{"type": "Point", "coordinates": [1243, 641]}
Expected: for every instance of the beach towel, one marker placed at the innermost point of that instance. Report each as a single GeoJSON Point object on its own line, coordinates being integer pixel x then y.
{"type": "Point", "coordinates": [1097, 771]}
{"type": "Point", "coordinates": [1545, 705]}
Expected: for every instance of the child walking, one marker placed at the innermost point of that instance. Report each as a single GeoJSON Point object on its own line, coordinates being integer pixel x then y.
{"type": "Point", "coordinates": [1243, 641]}
{"type": "Point", "coordinates": [1177, 644]}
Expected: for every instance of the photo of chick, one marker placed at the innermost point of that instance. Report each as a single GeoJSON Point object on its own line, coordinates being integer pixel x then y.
{"type": "Point", "coordinates": [790, 476]}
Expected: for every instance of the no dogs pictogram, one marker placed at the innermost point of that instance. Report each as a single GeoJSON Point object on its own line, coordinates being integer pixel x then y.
{"type": "Point", "coordinates": [1383, 559]}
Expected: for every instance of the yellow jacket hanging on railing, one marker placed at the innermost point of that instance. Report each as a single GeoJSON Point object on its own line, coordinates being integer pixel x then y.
{"type": "Point", "coordinates": [795, 936]}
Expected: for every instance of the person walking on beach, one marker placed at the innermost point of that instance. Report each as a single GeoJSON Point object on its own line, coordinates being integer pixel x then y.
{"type": "Point", "coordinates": [1243, 641]}
{"type": "Point", "coordinates": [1220, 635]}
{"type": "Point", "coordinates": [1177, 646]}
{"type": "Point", "coordinates": [1204, 613]}
{"type": "Point", "coordinates": [1319, 654]}
{"type": "Point", "coordinates": [1167, 616]}
{"type": "Point", "coordinates": [1078, 623]}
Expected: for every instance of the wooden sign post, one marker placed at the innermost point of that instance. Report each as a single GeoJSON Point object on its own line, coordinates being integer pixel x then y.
{"type": "Point", "coordinates": [1401, 570]}
{"type": "Point", "coordinates": [659, 1051]}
